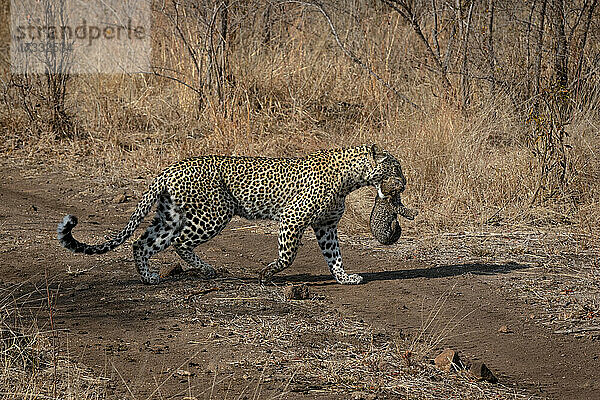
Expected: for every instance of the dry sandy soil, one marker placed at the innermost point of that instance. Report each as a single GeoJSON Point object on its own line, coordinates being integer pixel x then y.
{"type": "Point", "coordinates": [229, 338]}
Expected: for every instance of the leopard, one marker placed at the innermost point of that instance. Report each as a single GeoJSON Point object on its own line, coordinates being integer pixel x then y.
{"type": "Point", "coordinates": [384, 215]}
{"type": "Point", "coordinates": [197, 197]}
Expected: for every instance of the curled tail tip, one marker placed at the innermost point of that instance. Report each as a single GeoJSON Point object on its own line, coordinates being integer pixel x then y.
{"type": "Point", "coordinates": [66, 225]}
{"type": "Point", "coordinates": [64, 231]}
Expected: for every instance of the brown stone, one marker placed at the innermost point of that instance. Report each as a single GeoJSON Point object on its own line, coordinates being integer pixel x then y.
{"type": "Point", "coordinates": [480, 371]}
{"type": "Point", "coordinates": [120, 198]}
{"type": "Point", "coordinates": [504, 329]}
{"type": "Point", "coordinates": [296, 292]}
{"type": "Point", "coordinates": [448, 360]}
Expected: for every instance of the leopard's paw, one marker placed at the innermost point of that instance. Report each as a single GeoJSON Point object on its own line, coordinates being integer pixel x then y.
{"type": "Point", "coordinates": [267, 273]}
{"type": "Point", "coordinates": [351, 279]}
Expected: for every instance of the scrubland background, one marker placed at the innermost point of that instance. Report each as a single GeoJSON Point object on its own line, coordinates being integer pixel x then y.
{"type": "Point", "coordinates": [491, 106]}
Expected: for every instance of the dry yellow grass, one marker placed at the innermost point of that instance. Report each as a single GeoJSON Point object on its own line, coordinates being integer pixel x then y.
{"type": "Point", "coordinates": [32, 364]}
{"type": "Point", "coordinates": [467, 169]}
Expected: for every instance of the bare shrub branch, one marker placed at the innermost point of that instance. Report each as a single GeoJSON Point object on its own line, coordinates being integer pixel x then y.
{"type": "Point", "coordinates": [353, 56]}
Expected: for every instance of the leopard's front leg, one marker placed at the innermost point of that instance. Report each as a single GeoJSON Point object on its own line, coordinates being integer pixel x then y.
{"type": "Point", "coordinates": [328, 242]}
{"type": "Point", "coordinates": [289, 241]}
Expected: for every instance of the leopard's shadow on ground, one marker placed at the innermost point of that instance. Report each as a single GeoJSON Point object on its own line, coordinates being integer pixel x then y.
{"type": "Point", "coordinates": [442, 271]}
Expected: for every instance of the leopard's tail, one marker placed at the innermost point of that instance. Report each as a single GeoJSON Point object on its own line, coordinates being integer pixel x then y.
{"type": "Point", "coordinates": [67, 240]}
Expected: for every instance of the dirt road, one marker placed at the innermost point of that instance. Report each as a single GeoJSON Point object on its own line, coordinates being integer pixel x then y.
{"type": "Point", "coordinates": [176, 339]}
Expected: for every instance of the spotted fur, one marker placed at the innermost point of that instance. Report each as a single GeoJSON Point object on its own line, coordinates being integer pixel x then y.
{"type": "Point", "coordinates": [384, 221]}
{"type": "Point", "coordinates": [384, 215]}
{"type": "Point", "coordinates": [196, 198]}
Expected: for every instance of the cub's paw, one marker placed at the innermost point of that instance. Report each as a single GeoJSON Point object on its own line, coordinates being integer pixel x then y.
{"type": "Point", "coordinates": [409, 213]}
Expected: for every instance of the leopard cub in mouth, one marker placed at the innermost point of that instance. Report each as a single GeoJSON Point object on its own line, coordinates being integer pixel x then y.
{"type": "Point", "coordinates": [384, 216]}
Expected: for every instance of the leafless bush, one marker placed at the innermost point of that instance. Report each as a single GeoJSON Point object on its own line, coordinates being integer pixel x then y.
{"type": "Point", "coordinates": [549, 142]}
{"type": "Point", "coordinates": [42, 96]}
{"type": "Point", "coordinates": [286, 78]}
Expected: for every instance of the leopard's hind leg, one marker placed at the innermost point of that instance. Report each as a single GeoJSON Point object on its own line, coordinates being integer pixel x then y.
{"type": "Point", "coordinates": [195, 262]}
{"type": "Point", "coordinates": [289, 238]}
{"type": "Point", "coordinates": [203, 220]}
{"type": "Point", "coordinates": [165, 227]}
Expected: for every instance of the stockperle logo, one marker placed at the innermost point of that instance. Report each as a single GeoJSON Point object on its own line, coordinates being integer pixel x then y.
{"type": "Point", "coordinates": [78, 37]}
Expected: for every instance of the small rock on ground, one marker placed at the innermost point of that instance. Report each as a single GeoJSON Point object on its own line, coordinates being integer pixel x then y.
{"type": "Point", "coordinates": [480, 371]}
{"type": "Point", "coordinates": [120, 198]}
{"type": "Point", "coordinates": [448, 360]}
{"type": "Point", "coordinates": [82, 286]}
{"type": "Point", "coordinates": [296, 292]}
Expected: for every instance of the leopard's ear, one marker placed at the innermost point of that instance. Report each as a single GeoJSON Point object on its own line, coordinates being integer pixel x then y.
{"type": "Point", "coordinates": [378, 154]}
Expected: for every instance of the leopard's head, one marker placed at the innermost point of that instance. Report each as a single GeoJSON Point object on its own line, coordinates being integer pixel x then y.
{"type": "Point", "coordinates": [386, 173]}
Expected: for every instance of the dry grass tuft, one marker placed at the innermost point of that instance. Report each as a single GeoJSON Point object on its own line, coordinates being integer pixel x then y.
{"type": "Point", "coordinates": [308, 347]}
{"type": "Point", "coordinates": [30, 363]}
